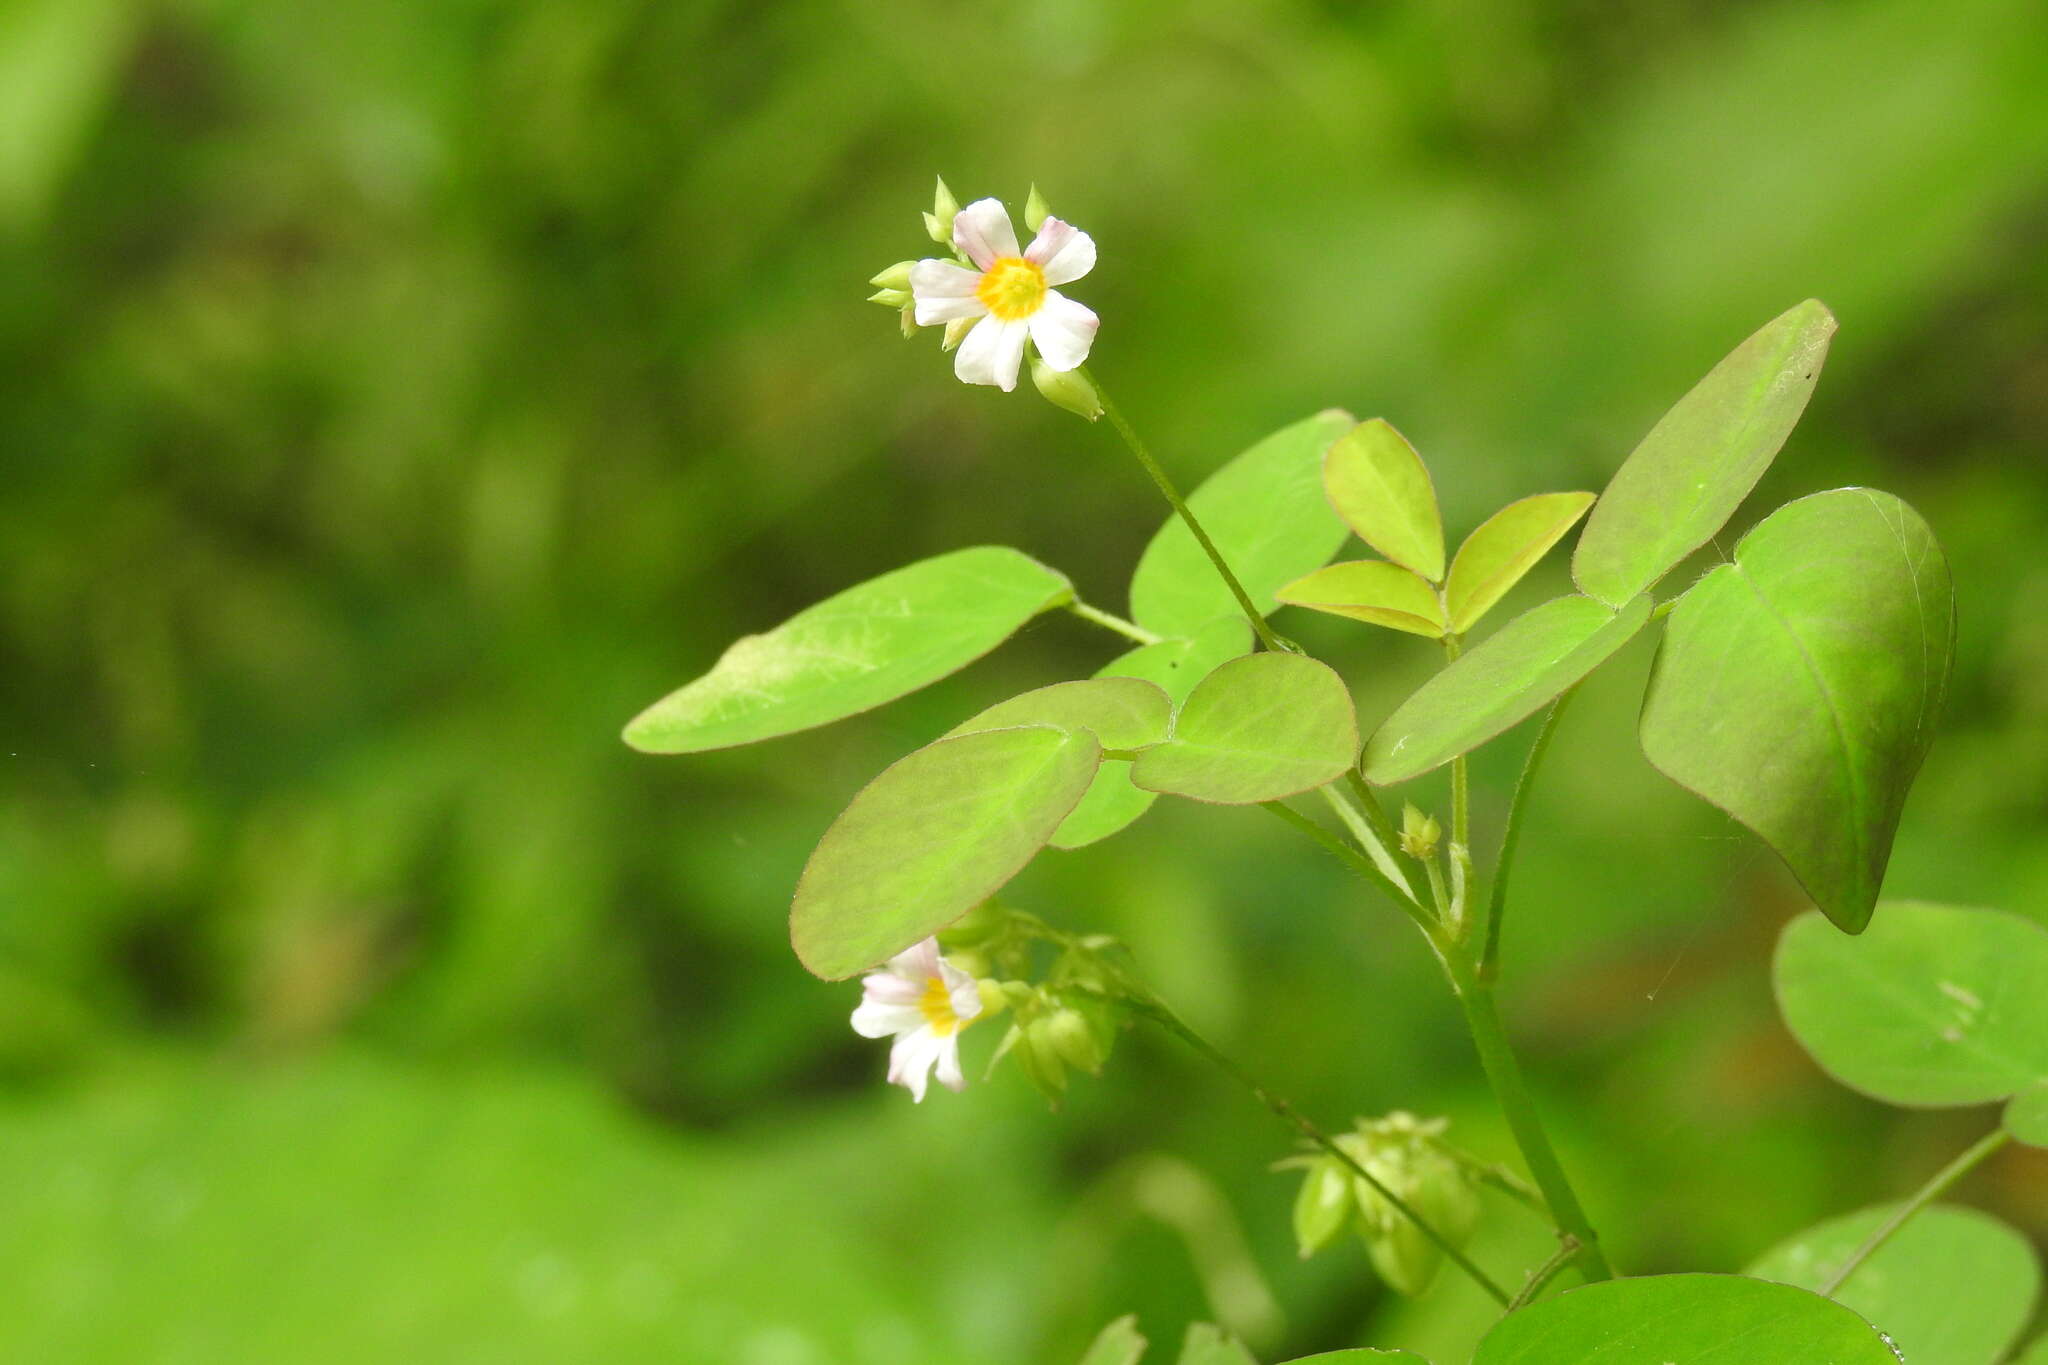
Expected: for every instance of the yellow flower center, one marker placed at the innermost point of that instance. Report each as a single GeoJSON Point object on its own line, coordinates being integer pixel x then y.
{"type": "Point", "coordinates": [1012, 289]}
{"type": "Point", "coordinates": [936, 1004]}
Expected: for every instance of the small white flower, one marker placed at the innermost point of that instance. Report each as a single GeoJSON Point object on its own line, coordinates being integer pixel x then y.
{"type": "Point", "coordinates": [1011, 293]}
{"type": "Point", "coordinates": [923, 1001]}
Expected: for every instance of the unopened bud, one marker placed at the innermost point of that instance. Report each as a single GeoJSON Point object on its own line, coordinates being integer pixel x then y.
{"type": "Point", "coordinates": [1041, 1063]}
{"type": "Point", "coordinates": [1409, 1158]}
{"type": "Point", "coordinates": [994, 999]}
{"type": "Point", "coordinates": [1323, 1206]}
{"type": "Point", "coordinates": [908, 319]}
{"type": "Point", "coordinates": [956, 332]}
{"type": "Point", "coordinates": [896, 276]}
{"type": "Point", "coordinates": [939, 222]}
{"type": "Point", "coordinates": [1036, 210]}
{"type": "Point", "coordinates": [1071, 1034]}
{"type": "Point", "coordinates": [1419, 833]}
{"type": "Point", "coordinates": [890, 298]}
{"type": "Point", "coordinates": [1067, 389]}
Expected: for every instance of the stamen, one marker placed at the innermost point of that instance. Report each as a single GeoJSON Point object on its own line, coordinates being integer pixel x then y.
{"type": "Point", "coordinates": [1012, 289]}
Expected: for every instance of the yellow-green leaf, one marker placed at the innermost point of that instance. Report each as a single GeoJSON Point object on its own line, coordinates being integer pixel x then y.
{"type": "Point", "coordinates": [1257, 729]}
{"type": "Point", "coordinates": [1506, 546]}
{"type": "Point", "coordinates": [936, 834]}
{"type": "Point", "coordinates": [1373, 591]}
{"type": "Point", "coordinates": [1381, 488]}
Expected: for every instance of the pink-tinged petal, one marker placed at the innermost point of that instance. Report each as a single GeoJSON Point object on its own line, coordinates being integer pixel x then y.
{"type": "Point", "coordinates": [911, 1061]}
{"type": "Point", "coordinates": [887, 988]}
{"type": "Point", "coordinates": [992, 353]}
{"type": "Point", "coordinates": [949, 1065]}
{"type": "Point", "coordinates": [943, 280]}
{"type": "Point", "coordinates": [961, 992]}
{"type": "Point", "coordinates": [1062, 251]}
{"type": "Point", "coordinates": [918, 963]}
{"type": "Point", "coordinates": [983, 231]}
{"type": "Point", "coordinates": [1063, 330]}
{"type": "Point", "coordinates": [874, 1019]}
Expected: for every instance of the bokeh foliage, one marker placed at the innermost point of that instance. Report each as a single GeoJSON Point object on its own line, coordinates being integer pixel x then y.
{"type": "Point", "coordinates": [398, 396]}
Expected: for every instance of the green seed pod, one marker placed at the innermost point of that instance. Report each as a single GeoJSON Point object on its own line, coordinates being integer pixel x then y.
{"type": "Point", "coordinates": [1067, 389]}
{"type": "Point", "coordinates": [1409, 1158]}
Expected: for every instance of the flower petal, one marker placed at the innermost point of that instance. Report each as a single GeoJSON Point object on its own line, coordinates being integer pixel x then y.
{"type": "Point", "coordinates": [949, 1064]}
{"type": "Point", "coordinates": [877, 1019]}
{"type": "Point", "coordinates": [1063, 330]}
{"type": "Point", "coordinates": [961, 992]}
{"type": "Point", "coordinates": [918, 963]}
{"type": "Point", "coordinates": [992, 353]}
{"type": "Point", "coordinates": [943, 280]}
{"type": "Point", "coordinates": [911, 1060]}
{"type": "Point", "coordinates": [887, 988]}
{"type": "Point", "coordinates": [931, 311]}
{"type": "Point", "coordinates": [983, 231]}
{"type": "Point", "coordinates": [1062, 250]}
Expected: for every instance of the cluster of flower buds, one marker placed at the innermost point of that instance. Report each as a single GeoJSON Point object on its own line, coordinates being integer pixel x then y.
{"type": "Point", "coordinates": [1409, 1157]}
{"type": "Point", "coordinates": [1051, 1032]}
{"type": "Point", "coordinates": [998, 301]}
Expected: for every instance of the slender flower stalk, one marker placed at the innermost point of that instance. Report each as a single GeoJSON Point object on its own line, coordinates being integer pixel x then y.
{"type": "Point", "coordinates": [1165, 484]}
{"type": "Point", "coordinates": [1937, 1185]}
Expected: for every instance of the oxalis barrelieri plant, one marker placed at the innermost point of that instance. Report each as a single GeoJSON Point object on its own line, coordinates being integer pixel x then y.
{"type": "Point", "coordinates": [1796, 687]}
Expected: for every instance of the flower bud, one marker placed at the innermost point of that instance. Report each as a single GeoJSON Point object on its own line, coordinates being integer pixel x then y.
{"type": "Point", "coordinates": [890, 298]}
{"type": "Point", "coordinates": [1324, 1205]}
{"type": "Point", "coordinates": [896, 276]}
{"type": "Point", "coordinates": [1077, 1039]}
{"type": "Point", "coordinates": [939, 222]}
{"type": "Point", "coordinates": [908, 318]}
{"type": "Point", "coordinates": [1036, 210]}
{"type": "Point", "coordinates": [956, 332]}
{"type": "Point", "coordinates": [1041, 1064]}
{"type": "Point", "coordinates": [1409, 1158]}
{"type": "Point", "coordinates": [994, 999]}
{"type": "Point", "coordinates": [1419, 833]}
{"type": "Point", "coordinates": [1067, 389]}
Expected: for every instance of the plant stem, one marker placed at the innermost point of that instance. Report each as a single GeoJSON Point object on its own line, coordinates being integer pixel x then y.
{"type": "Point", "coordinates": [1461, 776]}
{"type": "Point", "coordinates": [1128, 629]}
{"type": "Point", "coordinates": [1567, 1252]}
{"type": "Point", "coordinates": [1368, 837]}
{"type": "Point", "coordinates": [1165, 485]}
{"type": "Point", "coordinates": [1939, 1185]}
{"type": "Point", "coordinates": [1156, 1010]}
{"type": "Point", "coordinates": [1363, 866]}
{"type": "Point", "coordinates": [1497, 898]}
{"type": "Point", "coordinates": [1511, 1092]}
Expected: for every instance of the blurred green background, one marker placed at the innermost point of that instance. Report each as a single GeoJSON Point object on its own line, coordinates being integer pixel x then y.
{"type": "Point", "coordinates": [397, 396]}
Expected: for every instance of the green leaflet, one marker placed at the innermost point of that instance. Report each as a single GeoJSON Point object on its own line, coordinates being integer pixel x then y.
{"type": "Point", "coordinates": [1932, 1005]}
{"type": "Point", "coordinates": [1685, 1320]}
{"type": "Point", "coordinates": [1797, 688]}
{"type": "Point", "coordinates": [1381, 488]}
{"type": "Point", "coordinates": [1116, 1344]}
{"type": "Point", "coordinates": [870, 644]}
{"type": "Point", "coordinates": [1502, 681]}
{"type": "Point", "coordinates": [1952, 1287]}
{"type": "Point", "coordinates": [1266, 512]}
{"type": "Point", "coordinates": [1505, 547]}
{"type": "Point", "coordinates": [1122, 713]}
{"type": "Point", "coordinates": [1372, 591]}
{"type": "Point", "coordinates": [1701, 459]}
{"type": "Point", "coordinates": [1259, 728]}
{"type": "Point", "coordinates": [932, 837]}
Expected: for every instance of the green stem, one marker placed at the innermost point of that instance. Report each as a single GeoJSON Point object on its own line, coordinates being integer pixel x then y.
{"type": "Point", "coordinates": [1939, 1185]}
{"type": "Point", "coordinates": [1362, 865]}
{"type": "Point", "coordinates": [1545, 1273]}
{"type": "Point", "coordinates": [1128, 629]}
{"type": "Point", "coordinates": [1368, 837]}
{"type": "Point", "coordinates": [1461, 776]}
{"type": "Point", "coordinates": [1511, 1092]}
{"type": "Point", "coordinates": [1497, 898]}
{"type": "Point", "coordinates": [1165, 485]}
{"type": "Point", "coordinates": [1153, 1008]}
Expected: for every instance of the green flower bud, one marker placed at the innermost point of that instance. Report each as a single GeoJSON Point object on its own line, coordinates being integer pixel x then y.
{"type": "Point", "coordinates": [1076, 1039]}
{"type": "Point", "coordinates": [1041, 1064]}
{"type": "Point", "coordinates": [956, 332]}
{"type": "Point", "coordinates": [1419, 833]}
{"type": "Point", "coordinates": [890, 298]}
{"type": "Point", "coordinates": [896, 276]}
{"type": "Point", "coordinates": [1067, 389]}
{"type": "Point", "coordinates": [994, 999]}
{"type": "Point", "coordinates": [939, 222]}
{"type": "Point", "coordinates": [1036, 210]}
{"type": "Point", "coordinates": [908, 319]}
{"type": "Point", "coordinates": [1323, 1206]}
{"type": "Point", "coordinates": [1409, 1158]}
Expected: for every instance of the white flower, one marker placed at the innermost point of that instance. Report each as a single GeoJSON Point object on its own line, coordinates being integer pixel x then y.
{"type": "Point", "coordinates": [923, 1001]}
{"type": "Point", "coordinates": [1011, 293]}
